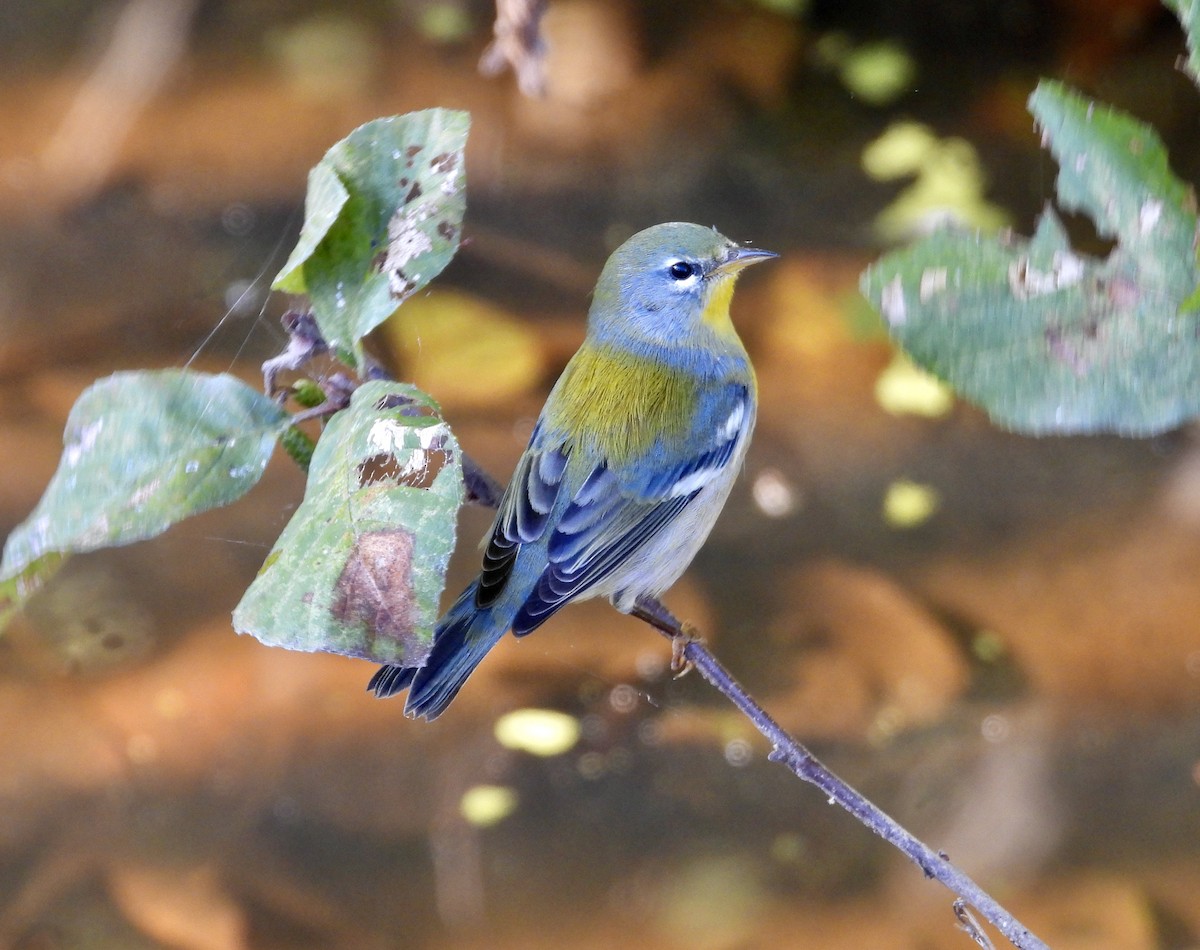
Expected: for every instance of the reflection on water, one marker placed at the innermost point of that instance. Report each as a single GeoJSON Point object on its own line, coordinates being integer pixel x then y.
{"type": "Point", "coordinates": [1005, 656]}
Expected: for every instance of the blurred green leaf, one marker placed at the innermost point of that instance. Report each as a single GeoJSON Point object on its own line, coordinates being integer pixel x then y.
{"type": "Point", "coordinates": [18, 588]}
{"type": "Point", "coordinates": [878, 73]}
{"type": "Point", "coordinates": [950, 183]}
{"type": "Point", "coordinates": [1188, 13]}
{"type": "Point", "coordinates": [792, 8]}
{"type": "Point", "coordinates": [360, 567]}
{"type": "Point", "coordinates": [141, 451]}
{"type": "Point", "coordinates": [1047, 339]}
{"type": "Point", "coordinates": [1114, 169]}
{"type": "Point", "coordinates": [298, 445]}
{"type": "Point", "coordinates": [382, 218]}
{"type": "Point", "coordinates": [465, 349]}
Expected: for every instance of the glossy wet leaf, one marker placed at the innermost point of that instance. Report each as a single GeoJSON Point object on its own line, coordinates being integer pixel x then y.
{"type": "Point", "coordinates": [382, 218]}
{"type": "Point", "coordinates": [360, 567]}
{"type": "Point", "coordinates": [142, 450]}
{"type": "Point", "coordinates": [1047, 339]}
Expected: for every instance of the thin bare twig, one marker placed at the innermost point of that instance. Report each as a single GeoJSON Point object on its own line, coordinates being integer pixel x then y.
{"type": "Point", "coordinates": [790, 753]}
{"type": "Point", "coordinates": [518, 44]}
{"type": "Point", "coordinates": [148, 40]}
{"type": "Point", "coordinates": [690, 652]}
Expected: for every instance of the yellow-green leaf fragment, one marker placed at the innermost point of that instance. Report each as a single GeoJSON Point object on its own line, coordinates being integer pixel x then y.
{"type": "Point", "coordinates": [878, 72]}
{"type": "Point", "coordinates": [487, 805]}
{"type": "Point", "coordinates": [908, 504]}
{"type": "Point", "coordinates": [465, 349]}
{"type": "Point", "coordinates": [905, 389]}
{"type": "Point", "coordinates": [543, 732]}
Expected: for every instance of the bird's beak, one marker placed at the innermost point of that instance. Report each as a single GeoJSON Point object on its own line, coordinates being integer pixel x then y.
{"type": "Point", "coordinates": [739, 257]}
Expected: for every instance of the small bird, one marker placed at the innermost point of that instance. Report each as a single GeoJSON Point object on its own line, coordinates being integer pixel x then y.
{"type": "Point", "coordinates": [630, 461]}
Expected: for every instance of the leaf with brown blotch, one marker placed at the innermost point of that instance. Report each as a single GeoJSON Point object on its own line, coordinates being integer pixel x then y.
{"type": "Point", "coordinates": [360, 567]}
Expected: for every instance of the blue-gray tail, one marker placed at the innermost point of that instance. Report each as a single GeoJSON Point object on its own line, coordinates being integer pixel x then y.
{"type": "Point", "coordinates": [462, 638]}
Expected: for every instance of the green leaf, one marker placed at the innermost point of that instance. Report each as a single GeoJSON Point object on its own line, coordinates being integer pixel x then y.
{"type": "Point", "coordinates": [141, 452]}
{"type": "Point", "coordinates": [18, 588]}
{"type": "Point", "coordinates": [360, 567]}
{"type": "Point", "coordinates": [1188, 13]}
{"type": "Point", "coordinates": [323, 202]}
{"type": "Point", "coordinates": [382, 218]}
{"type": "Point", "coordinates": [1114, 169]}
{"type": "Point", "coordinates": [1046, 339]}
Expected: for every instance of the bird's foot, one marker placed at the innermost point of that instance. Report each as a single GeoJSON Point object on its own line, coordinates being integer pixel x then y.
{"type": "Point", "coordinates": [680, 664]}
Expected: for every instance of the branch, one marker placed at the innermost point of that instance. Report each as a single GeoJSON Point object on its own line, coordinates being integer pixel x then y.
{"type": "Point", "coordinates": [518, 45]}
{"type": "Point", "coordinates": [793, 755]}
{"type": "Point", "coordinates": [482, 489]}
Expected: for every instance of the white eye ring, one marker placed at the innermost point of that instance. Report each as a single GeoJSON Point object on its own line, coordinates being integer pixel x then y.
{"type": "Point", "coordinates": [683, 274]}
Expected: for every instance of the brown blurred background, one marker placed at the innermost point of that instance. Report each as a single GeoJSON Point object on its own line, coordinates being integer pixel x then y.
{"type": "Point", "coordinates": [996, 638]}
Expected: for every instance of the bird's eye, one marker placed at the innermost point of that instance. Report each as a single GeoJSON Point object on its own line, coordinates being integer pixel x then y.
{"type": "Point", "coordinates": [681, 270]}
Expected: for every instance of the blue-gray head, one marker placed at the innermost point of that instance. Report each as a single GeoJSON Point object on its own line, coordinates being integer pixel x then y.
{"type": "Point", "coordinates": [668, 282]}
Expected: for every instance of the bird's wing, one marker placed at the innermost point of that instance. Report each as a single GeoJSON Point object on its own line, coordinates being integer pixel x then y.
{"type": "Point", "coordinates": [613, 513]}
{"type": "Point", "coordinates": [523, 514]}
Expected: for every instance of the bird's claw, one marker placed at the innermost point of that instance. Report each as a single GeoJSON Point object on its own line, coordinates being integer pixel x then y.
{"type": "Point", "coordinates": [680, 664]}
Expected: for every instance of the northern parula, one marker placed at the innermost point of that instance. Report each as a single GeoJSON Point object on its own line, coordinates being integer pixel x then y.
{"type": "Point", "coordinates": [628, 465]}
